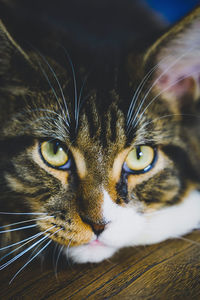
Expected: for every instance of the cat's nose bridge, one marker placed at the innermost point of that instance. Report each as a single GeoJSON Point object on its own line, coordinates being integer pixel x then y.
{"type": "Point", "coordinates": [90, 200]}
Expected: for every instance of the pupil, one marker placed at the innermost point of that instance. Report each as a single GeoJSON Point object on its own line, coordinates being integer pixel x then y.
{"type": "Point", "coordinates": [138, 152]}
{"type": "Point", "coordinates": [55, 147]}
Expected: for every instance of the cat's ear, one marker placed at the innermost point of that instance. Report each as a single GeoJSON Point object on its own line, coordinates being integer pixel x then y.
{"type": "Point", "coordinates": [15, 64]}
{"type": "Point", "coordinates": [176, 58]}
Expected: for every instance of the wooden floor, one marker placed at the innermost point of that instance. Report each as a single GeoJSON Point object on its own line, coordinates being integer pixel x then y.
{"type": "Point", "coordinates": [170, 270]}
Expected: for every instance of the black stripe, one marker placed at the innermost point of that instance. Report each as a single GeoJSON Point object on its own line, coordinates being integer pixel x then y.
{"type": "Point", "coordinates": [122, 187]}
{"type": "Point", "coordinates": [103, 138]}
{"type": "Point", "coordinates": [113, 123]}
{"type": "Point", "coordinates": [89, 110]}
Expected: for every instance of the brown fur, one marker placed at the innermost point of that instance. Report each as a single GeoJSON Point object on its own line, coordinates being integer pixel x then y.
{"type": "Point", "coordinates": [30, 114]}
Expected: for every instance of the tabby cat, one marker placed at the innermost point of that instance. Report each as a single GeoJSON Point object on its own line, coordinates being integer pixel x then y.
{"type": "Point", "coordinates": [95, 170]}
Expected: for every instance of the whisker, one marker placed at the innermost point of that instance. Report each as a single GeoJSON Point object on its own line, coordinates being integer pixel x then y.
{"type": "Point", "coordinates": [59, 85]}
{"type": "Point", "coordinates": [138, 91]}
{"type": "Point", "coordinates": [48, 243]}
{"type": "Point", "coordinates": [29, 240]}
{"type": "Point", "coordinates": [85, 98]}
{"type": "Point", "coordinates": [156, 81]}
{"type": "Point", "coordinates": [188, 240]}
{"type": "Point", "coordinates": [23, 252]}
{"type": "Point", "coordinates": [54, 254]}
{"type": "Point", "coordinates": [48, 111]}
{"type": "Point", "coordinates": [79, 102]}
{"type": "Point", "coordinates": [161, 92]}
{"type": "Point", "coordinates": [75, 85]}
{"type": "Point", "coordinates": [39, 119]}
{"type": "Point", "coordinates": [21, 213]}
{"type": "Point", "coordinates": [20, 228]}
{"type": "Point", "coordinates": [167, 116]}
{"type": "Point", "coordinates": [56, 265]}
{"type": "Point", "coordinates": [26, 221]}
{"type": "Point", "coordinates": [67, 252]}
{"type": "Point", "coordinates": [42, 243]}
{"type": "Point", "coordinates": [28, 262]}
{"type": "Point", "coordinates": [20, 242]}
{"type": "Point", "coordinates": [54, 92]}
{"type": "Point", "coordinates": [44, 110]}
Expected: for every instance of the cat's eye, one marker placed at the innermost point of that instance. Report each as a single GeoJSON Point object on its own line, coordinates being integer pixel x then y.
{"type": "Point", "coordinates": [54, 154]}
{"type": "Point", "coordinates": [140, 159]}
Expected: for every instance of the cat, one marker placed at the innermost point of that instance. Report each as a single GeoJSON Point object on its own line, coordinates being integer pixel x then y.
{"type": "Point", "coordinates": [97, 171]}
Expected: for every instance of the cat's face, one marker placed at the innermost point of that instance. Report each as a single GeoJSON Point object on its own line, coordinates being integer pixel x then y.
{"type": "Point", "coordinates": [105, 172]}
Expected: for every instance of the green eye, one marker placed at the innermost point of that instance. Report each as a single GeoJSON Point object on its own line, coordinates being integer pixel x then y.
{"type": "Point", "coordinates": [54, 154]}
{"type": "Point", "coordinates": [140, 159]}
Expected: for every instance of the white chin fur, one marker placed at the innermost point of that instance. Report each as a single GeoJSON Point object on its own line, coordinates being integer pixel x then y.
{"type": "Point", "coordinates": [127, 227]}
{"type": "Point", "coordinates": [88, 253]}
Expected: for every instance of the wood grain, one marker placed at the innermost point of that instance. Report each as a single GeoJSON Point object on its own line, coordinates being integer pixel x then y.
{"type": "Point", "coordinates": [170, 270]}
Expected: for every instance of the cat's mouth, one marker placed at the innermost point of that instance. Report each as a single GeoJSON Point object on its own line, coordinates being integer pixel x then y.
{"type": "Point", "coordinates": [96, 243]}
{"type": "Point", "coordinates": [93, 252]}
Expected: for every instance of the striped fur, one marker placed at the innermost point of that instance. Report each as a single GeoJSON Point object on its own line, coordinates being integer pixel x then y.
{"type": "Point", "coordinates": [98, 127]}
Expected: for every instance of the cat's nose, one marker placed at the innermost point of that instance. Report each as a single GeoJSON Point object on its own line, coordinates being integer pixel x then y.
{"type": "Point", "coordinates": [98, 229]}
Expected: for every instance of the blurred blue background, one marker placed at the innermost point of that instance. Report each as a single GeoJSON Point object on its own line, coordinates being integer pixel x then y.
{"type": "Point", "coordinates": [172, 10]}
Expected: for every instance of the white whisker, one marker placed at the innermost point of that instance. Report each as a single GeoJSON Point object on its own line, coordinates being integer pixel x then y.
{"type": "Point", "coordinates": [29, 240]}
{"type": "Point", "coordinates": [42, 243]}
{"type": "Point", "coordinates": [156, 81]}
{"type": "Point", "coordinates": [56, 265]}
{"type": "Point", "coordinates": [54, 253]}
{"type": "Point", "coordinates": [20, 228]}
{"type": "Point", "coordinates": [188, 240]}
{"type": "Point", "coordinates": [68, 250]}
{"type": "Point", "coordinates": [52, 88]}
{"type": "Point", "coordinates": [20, 242]}
{"type": "Point", "coordinates": [138, 92]}
{"type": "Point", "coordinates": [12, 213]}
{"type": "Point", "coordinates": [79, 102]}
{"type": "Point", "coordinates": [23, 252]}
{"type": "Point", "coordinates": [59, 85]}
{"type": "Point", "coordinates": [162, 91]}
{"type": "Point", "coordinates": [26, 221]}
{"type": "Point", "coordinates": [28, 262]}
{"type": "Point", "coordinates": [75, 85]}
{"type": "Point", "coordinates": [39, 119]}
{"type": "Point", "coordinates": [49, 111]}
{"type": "Point", "coordinates": [168, 116]}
